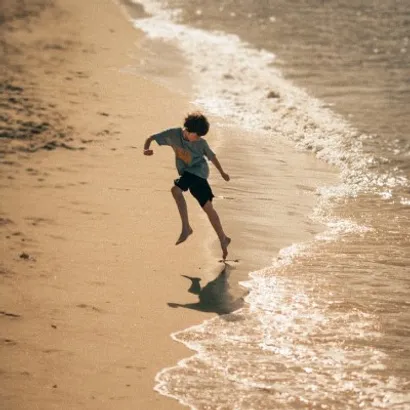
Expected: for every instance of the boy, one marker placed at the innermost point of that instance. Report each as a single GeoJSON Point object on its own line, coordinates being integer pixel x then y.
{"type": "Point", "coordinates": [190, 148]}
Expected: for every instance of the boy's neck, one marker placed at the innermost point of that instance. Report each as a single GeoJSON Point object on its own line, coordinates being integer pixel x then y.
{"type": "Point", "coordinates": [190, 136]}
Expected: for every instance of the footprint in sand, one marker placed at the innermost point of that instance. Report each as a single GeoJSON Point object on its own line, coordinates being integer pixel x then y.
{"type": "Point", "coordinates": [9, 314]}
{"type": "Point", "coordinates": [89, 307]}
{"type": "Point", "coordinates": [8, 342]}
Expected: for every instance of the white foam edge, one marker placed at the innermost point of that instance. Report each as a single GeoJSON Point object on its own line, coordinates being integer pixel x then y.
{"type": "Point", "coordinates": [160, 386]}
{"type": "Point", "coordinates": [405, 201]}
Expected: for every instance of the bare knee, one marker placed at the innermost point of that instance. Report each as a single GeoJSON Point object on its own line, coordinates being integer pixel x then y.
{"type": "Point", "coordinates": [208, 208]}
{"type": "Point", "coordinates": [176, 191]}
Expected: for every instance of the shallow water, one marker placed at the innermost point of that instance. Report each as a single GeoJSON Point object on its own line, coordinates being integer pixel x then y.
{"type": "Point", "coordinates": [326, 322]}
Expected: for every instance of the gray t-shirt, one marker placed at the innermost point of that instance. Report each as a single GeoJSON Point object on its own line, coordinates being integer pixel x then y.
{"type": "Point", "coordinates": [189, 156]}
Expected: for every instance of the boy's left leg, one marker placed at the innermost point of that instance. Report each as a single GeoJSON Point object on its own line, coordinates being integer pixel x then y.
{"type": "Point", "coordinates": [216, 223]}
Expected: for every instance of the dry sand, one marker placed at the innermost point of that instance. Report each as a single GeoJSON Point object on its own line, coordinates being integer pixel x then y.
{"type": "Point", "coordinates": [87, 223]}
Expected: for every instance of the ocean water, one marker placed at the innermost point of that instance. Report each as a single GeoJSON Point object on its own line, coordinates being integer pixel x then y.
{"type": "Point", "coordinates": [326, 324]}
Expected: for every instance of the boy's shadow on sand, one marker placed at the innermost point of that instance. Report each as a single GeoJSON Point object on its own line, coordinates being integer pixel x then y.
{"type": "Point", "coordinates": [214, 296]}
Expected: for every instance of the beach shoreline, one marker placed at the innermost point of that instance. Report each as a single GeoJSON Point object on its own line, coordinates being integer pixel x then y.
{"type": "Point", "coordinates": [92, 285]}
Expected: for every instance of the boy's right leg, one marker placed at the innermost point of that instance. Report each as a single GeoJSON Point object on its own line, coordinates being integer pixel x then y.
{"type": "Point", "coordinates": [178, 195]}
{"type": "Point", "coordinates": [216, 223]}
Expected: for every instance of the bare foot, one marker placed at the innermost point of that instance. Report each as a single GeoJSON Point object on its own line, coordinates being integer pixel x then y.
{"type": "Point", "coordinates": [184, 235]}
{"type": "Point", "coordinates": [224, 245]}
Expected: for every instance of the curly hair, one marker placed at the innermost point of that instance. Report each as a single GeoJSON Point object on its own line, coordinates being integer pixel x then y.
{"type": "Point", "coordinates": [197, 122]}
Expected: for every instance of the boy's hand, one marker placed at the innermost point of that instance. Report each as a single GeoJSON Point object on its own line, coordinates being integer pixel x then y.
{"type": "Point", "coordinates": [225, 176]}
{"type": "Point", "coordinates": [148, 152]}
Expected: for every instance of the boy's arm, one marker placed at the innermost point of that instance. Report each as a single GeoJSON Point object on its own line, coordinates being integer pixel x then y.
{"type": "Point", "coordinates": [167, 137]}
{"type": "Point", "coordinates": [218, 166]}
{"type": "Point", "coordinates": [148, 141]}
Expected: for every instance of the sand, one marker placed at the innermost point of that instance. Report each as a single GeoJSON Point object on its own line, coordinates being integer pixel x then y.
{"type": "Point", "coordinates": [88, 263]}
{"type": "Point", "coordinates": [91, 283]}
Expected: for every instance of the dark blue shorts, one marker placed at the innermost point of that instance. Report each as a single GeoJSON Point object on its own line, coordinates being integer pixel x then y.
{"type": "Point", "coordinates": [198, 187]}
